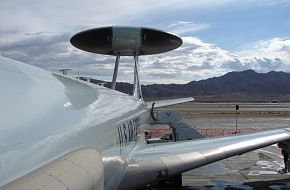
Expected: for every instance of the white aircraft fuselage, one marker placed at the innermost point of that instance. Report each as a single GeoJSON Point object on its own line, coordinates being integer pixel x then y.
{"type": "Point", "coordinates": [46, 115]}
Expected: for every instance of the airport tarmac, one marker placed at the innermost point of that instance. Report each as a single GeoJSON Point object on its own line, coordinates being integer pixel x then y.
{"type": "Point", "coordinates": [253, 170]}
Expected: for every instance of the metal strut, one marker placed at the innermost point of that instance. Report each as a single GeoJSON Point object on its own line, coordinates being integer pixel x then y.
{"type": "Point", "coordinates": [137, 92]}
{"type": "Point", "coordinates": [115, 72]}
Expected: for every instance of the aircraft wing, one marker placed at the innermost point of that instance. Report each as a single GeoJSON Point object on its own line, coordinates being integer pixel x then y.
{"type": "Point", "coordinates": [162, 103]}
{"type": "Point", "coordinates": [157, 161]}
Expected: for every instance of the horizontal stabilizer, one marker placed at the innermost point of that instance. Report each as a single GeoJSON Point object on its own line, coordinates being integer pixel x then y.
{"type": "Point", "coordinates": [162, 103]}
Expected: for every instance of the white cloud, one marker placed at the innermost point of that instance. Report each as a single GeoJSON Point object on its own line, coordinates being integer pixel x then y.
{"type": "Point", "coordinates": [275, 2]}
{"type": "Point", "coordinates": [276, 50]}
{"type": "Point", "coordinates": [38, 32]}
{"type": "Point", "coordinates": [195, 60]}
{"type": "Point", "coordinates": [199, 60]}
{"type": "Point", "coordinates": [182, 27]}
{"type": "Point", "coordinates": [31, 16]}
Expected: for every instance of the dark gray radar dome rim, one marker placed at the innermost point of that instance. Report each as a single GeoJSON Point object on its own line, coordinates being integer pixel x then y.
{"type": "Point", "coordinates": [100, 41]}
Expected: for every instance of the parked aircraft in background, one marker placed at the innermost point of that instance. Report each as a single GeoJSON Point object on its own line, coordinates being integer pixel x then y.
{"type": "Point", "coordinates": [58, 132]}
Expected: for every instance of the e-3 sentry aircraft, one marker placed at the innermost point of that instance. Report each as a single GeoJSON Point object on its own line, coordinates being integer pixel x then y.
{"type": "Point", "coordinates": [58, 132]}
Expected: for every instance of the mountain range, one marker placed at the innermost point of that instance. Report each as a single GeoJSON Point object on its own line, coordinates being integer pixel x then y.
{"type": "Point", "coordinates": [246, 85]}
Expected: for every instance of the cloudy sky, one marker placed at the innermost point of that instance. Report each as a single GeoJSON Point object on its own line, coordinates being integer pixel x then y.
{"type": "Point", "coordinates": [218, 36]}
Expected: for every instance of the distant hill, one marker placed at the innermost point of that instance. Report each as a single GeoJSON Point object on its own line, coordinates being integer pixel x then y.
{"type": "Point", "coordinates": [246, 82]}
{"type": "Point", "coordinates": [246, 85]}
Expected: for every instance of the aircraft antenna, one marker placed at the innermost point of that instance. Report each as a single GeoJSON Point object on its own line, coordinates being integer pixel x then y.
{"type": "Point", "coordinates": [126, 41]}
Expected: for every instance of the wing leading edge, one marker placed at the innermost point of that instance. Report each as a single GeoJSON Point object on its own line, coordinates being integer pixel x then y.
{"type": "Point", "coordinates": [156, 161]}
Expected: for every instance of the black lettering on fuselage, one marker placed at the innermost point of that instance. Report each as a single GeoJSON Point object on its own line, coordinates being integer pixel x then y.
{"type": "Point", "coordinates": [128, 131]}
{"type": "Point", "coordinates": [125, 133]}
